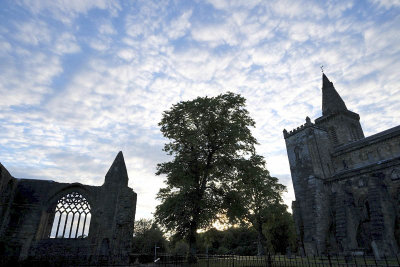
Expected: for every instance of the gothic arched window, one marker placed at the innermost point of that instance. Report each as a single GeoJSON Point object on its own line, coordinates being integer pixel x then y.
{"type": "Point", "coordinates": [72, 217]}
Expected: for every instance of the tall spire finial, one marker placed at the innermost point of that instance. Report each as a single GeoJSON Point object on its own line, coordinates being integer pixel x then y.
{"type": "Point", "coordinates": [322, 68]}
{"type": "Point", "coordinates": [331, 100]}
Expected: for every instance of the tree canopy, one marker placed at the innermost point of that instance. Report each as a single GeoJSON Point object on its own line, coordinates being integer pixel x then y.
{"type": "Point", "coordinates": [255, 196]}
{"type": "Point", "coordinates": [207, 137]}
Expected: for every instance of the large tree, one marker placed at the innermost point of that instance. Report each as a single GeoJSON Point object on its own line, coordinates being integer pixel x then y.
{"type": "Point", "coordinates": [255, 197]}
{"type": "Point", "coordinates": [207, 135]}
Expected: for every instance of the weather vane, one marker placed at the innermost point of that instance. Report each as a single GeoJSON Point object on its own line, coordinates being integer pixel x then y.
{"type": "Point", "coordinates": [322, 68]}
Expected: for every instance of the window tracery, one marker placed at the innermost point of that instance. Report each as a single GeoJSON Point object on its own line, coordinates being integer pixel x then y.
{"type": "Point", "coordinates": [72, 217]}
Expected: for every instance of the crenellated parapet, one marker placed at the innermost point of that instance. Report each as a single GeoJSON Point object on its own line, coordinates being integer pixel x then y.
{"type": "Point", "coordinates": [308, 124]}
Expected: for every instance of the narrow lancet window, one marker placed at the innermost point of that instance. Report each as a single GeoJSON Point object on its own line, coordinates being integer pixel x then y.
{"type": "Point", "coordinates": [72, 217]}
{"type": "Point", "coordinates": [334, 136]}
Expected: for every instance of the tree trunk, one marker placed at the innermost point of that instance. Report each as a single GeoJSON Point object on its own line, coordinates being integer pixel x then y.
{"type": "Point", "coordinates": [260, 242]}
{"type": "Point", "coordinates": [192, 238]}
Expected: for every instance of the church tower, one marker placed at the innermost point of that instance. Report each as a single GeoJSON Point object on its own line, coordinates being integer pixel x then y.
{"type": "Point", "coordinates": [309, 148]}
{"type": "Point", "coordinates": [346, 186]}
{"type": "Point", "coordinates": [342, 125]}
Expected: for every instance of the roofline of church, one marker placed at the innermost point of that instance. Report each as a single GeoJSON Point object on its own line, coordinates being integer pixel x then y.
{"type": "Point", "coordinates": [389, 133]}
{"type": "Point", "coordinates": [346, 112]}
{"type": "Point", "coordinates": [370, 168]}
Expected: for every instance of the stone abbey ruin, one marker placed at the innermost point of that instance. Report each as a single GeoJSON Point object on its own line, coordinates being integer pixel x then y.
{"type": "Point", "coordinates": [49, 222]}
{"type": "Point", "coordinates": [347, 187]}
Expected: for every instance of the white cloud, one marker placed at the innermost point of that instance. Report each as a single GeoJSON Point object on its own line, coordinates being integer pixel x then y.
{"type": "Point", "coordinates": [297, 9]}
{"type": "Point", "coordinates": [178, 27]}
{"type": "Point", "coordinates": [28, 82]}
{"type": "Point", "coordinates": [99, 44]}
{"type": "Point", "coordinates": [66, 44]}
{"type": "Point", "coordinates": [219, 4]}
{"type": "Point", "coordinates": [33, 32]}
{"type": "Point", "coordinates": [224, 4]}
{"type": "Point", "coordinates": [146, 20]}
{"type": "Point", "coordinates": [216, 35]}
{"type": "Point", "coordinates": [387, 3]}
{"type": "Point", "coordinates": [107, 28]}
{"type": "Point", "coordinates": [5, 46]}
{"type": "Point", "coordinates": [127, 54]}
{"type": "Point", "coordinates": [382, 38]}
{"type": "Point", "coordinates": [66, 11]}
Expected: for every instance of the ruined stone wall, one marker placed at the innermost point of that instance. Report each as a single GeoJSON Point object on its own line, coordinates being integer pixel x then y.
{"type": "Point", "coordinates": [29, 218]}
{"type": "Point", "coordinates": [30, 211]}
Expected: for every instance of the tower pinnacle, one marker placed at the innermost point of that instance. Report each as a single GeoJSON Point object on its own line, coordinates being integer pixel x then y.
{"type": "Point", "coordinates": [331, 100]}
{"type": "Point", "coordinates": [117, 174]}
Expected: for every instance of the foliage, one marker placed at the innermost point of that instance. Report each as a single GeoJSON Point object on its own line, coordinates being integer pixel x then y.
{"type": "Point", "coordinates": [181, 248]}
{"type": "Point", "coordinates": [147, 235]}
{"type": "Point", "coordinates": [238, 241]}
{"type": "Point", "coordinates": [280, 232]}
{"type": "Point", "coordinates": [142, 226]}
{"type": "Point", "coordinates": [207, 137]}
{"type": "Point", "coordinates": [256, 196]}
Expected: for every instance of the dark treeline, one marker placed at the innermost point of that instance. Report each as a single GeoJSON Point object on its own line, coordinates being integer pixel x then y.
{"type": "Point", "coordinates": [241, 240]}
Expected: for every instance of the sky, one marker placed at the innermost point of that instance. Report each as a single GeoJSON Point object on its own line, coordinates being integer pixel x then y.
{"type": "Point", "coordinates": [82, 80]}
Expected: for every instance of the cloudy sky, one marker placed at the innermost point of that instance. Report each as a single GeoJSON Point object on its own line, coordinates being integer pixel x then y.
{"type": "Point", "coordinates": [81, 80]}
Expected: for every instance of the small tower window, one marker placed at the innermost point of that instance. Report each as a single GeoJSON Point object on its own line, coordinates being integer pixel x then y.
{"type": "Point", "coordinates": [72, 217]}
